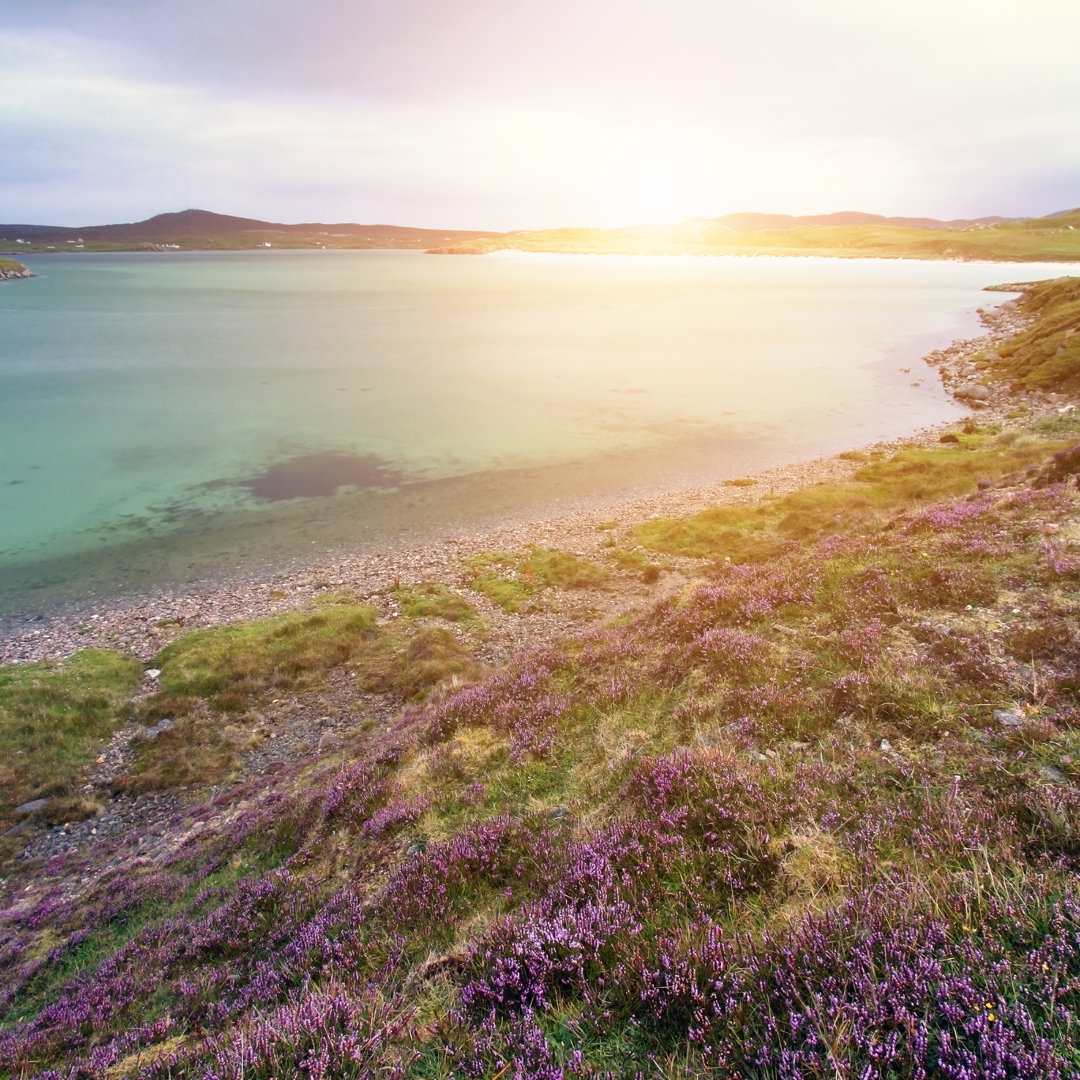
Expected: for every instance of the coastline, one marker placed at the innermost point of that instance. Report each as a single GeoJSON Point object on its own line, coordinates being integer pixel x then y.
{"type": "Point", "coordinates": [142, 626]}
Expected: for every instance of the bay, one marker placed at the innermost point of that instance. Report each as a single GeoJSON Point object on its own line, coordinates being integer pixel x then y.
{"type": "Point", "coordinates": [171, 418]}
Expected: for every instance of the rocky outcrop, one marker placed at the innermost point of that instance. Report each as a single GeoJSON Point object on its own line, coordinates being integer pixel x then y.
{"type": "Point", "coordinates": [10, 270]}
{"type": "Point", "coordinates": [966, 367]}
{"type": "Point", "coordinates": [1062, 467]}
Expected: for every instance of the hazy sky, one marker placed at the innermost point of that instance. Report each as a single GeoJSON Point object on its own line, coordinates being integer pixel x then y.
{"type": "Point", "coordinates": [512, 114]}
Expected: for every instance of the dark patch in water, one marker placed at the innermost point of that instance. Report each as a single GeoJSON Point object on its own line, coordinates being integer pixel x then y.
{"type": "Point", "coordinates": [312, 475]}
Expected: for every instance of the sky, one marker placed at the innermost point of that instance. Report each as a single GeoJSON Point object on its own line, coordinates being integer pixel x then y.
{"type": "Point", "coordinates": [506, 114]}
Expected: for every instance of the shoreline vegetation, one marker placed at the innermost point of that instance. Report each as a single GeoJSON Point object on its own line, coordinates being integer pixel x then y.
{"type": "Point", "coordinates": [776, 779]}
{"type": "Point", "coordinates": [1054, 238]}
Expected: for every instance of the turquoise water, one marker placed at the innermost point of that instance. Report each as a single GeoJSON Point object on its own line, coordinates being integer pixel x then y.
{"type": "Point", "coordinates": [150, 403]}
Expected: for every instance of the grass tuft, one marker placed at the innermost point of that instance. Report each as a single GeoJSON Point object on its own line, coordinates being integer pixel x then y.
{"type": "Point", "coordinates": [511, 581]}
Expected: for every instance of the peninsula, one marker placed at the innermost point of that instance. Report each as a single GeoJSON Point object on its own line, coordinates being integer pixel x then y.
{"type": "Point", "coordinates": [10, 269]}
{"type": "Point", "coordinates": [202, 230]}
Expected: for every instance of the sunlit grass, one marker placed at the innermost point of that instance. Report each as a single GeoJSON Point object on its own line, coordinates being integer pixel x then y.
{"type": "Point", "coordinates": [512, 580]}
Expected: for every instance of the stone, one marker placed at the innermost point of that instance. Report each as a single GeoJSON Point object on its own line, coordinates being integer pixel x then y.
{"type": "Point", "coordinates": [1052, 773]}
{"type": "Point", "coordinates": [159, 728]}
{"type": "Point", "coordinates": [973, 391]}
{"type": "Point", "coordinates": [1008, 717]}
{"type": "Point", "coordinates": [31, 806]}
{"type": "Point", "coordinates": [886, 746]}
{"type": "Point", "coordinates": [152, 673]}
{"type": "Point", "coordinates": [1062, 465]}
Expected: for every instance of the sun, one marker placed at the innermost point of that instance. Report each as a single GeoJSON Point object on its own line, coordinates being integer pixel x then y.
{"type": "Point", "coordinates": [657, 194]}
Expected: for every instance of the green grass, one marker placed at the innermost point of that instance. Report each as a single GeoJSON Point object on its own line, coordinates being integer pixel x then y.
{"type": "Point", "coordinates": [54, 717]}
{"type": "Point", "coordinates": [211, 680]}
{"type": "Point", "coordinates": [431, 600]}
{"type": "Point", "coordinates": [230, 666]}
{"type": "Point", "coordinates": [907, 479]}
{"type": "Point", "coordinates": [1033, 240]}
{"type": "Point", "coordinates": [1047, 355]}
{"type": "Point", "coordinates": [511, 581]}
{"type": "Point", "coordinates": [410, 662]}
{"type": "Point", "coordinates": [11, 266]}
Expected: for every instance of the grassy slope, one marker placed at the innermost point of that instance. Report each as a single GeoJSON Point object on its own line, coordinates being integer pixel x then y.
{"type": "Point", "coordinates": [1039, 239]}
{"type": "Point", "coordinates": [1047, 355]}
{"type": "Point", "coordinates": [11, 266]}
{"type": "Point", "coordinates": [818, 815]}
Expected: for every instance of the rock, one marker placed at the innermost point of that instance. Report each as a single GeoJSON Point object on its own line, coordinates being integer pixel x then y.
{"type": "Point", "coordinates": [152, 673]}
{"type": "Point", "coordinates": [972, 391]}
{"type": "Point", "coordinates": [1052, 773]}
{"type": "Point", "coordinates": [1062, 465]}
{"type": "Point", "coordinates": [886, 746]}
{"type": "Point", "coordinates": [1008, 717]}
{"type": "Point", "coordinates": [159, 728]}
{"type": "Point", "coordinates": [31, 806]}
{"type": "Point", "coordinates": [452, 961]}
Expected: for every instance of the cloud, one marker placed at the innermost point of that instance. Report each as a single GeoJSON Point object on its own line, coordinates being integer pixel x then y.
{"type": "Point", "coordinates": [524, 115]}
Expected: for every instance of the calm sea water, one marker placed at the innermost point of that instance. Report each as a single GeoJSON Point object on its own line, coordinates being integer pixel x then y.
{"type": "Point", "coordinates": [165, 418]}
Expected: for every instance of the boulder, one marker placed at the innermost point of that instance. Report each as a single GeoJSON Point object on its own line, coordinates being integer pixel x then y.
{"type": "Point", "coordinates": [973, 391]}
{"type": "Point", "coordinates": [1063, 465]}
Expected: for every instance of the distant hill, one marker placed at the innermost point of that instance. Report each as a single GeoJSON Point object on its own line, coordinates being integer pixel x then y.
{"type": "Point", "coordinates": [202, 228]}
{"type": "Point", "coordinates": [749, 222]}
{"type": "Point", "coordinates": [847, 234]}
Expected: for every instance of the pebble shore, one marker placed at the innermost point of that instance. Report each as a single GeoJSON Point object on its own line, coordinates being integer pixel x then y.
{"type": "Point", "coordinates": [141, 628]}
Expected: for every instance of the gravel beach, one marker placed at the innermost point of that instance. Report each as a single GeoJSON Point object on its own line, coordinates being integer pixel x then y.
{"type": "Point", "coordinates": [141, 627]}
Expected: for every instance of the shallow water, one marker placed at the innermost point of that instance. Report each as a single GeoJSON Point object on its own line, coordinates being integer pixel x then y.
{"type": "Point", "coordinates": [176, 416]}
